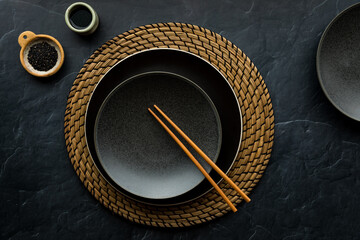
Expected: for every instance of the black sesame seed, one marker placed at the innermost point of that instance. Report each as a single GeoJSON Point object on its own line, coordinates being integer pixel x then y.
{"type": "Point", "coordinates": [42, 56]}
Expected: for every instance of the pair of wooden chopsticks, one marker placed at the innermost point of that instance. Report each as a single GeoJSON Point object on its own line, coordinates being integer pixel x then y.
{"type": "Point", "coordinates": [203, 155]}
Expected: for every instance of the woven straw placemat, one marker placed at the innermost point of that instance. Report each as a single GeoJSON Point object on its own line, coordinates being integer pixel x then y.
{"type": "Point", "coordinates": [248, 85]}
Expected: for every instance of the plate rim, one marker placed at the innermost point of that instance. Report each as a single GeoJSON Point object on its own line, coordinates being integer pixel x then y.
{"type": "Point", "coordinates": [234, 95]}
{"type": "Point", "coordinates": [318, 53]}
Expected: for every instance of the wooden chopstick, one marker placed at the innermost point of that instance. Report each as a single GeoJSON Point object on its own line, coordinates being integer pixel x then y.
{"type": "Point", "coordinates": [203, 155]}
{"type": "Point", "coordinates": [198, 165]}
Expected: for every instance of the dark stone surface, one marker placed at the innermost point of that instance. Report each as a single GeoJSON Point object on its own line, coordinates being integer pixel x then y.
{"type": "Point", "coordinates": [310, 189]}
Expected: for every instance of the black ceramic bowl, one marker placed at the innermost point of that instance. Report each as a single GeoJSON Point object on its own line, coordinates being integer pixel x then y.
{"type": "Point", "coordinates": [163, 77]}
{"type": "Point", "coordinates": [338, 61]}
{"type": "Point", "coordinates": [134, 149]}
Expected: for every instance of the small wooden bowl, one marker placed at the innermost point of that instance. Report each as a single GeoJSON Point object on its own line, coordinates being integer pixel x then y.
{"type": "Point", "coordinates": [26, 40]}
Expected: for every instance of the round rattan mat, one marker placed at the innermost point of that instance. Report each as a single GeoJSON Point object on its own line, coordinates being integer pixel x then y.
{"type": "Point", "coordinates": [248, 85]}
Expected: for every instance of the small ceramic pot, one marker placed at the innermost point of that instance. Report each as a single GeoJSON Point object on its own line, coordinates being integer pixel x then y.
{"type": "Point", "coordinates": [94, 19]}
{"type": "Point", "coordinates": [28, 39]}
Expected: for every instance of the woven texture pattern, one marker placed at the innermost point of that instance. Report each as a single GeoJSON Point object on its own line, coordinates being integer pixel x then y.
{"type": "Point", "coordinates": [248, 85]}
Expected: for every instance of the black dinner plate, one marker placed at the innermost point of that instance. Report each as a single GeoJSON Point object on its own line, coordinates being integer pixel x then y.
{"type": "Point", "coordinates": [131, 85]}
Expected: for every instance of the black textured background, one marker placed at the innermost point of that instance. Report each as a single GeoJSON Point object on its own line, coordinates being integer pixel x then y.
{"type": "Point", "coordinates": [310, 189]}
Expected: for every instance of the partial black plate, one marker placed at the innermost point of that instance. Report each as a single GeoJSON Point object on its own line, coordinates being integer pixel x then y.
{"type": "Point", "coordinates": [134, 149]}
{"type": "Point", "coordinates": [188, 66]}
{"type": "Point", "coordinates": [338, 61]}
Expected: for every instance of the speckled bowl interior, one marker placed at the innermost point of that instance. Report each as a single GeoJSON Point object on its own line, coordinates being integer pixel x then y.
{"type": "Point", "coordinates": [338, 61]}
